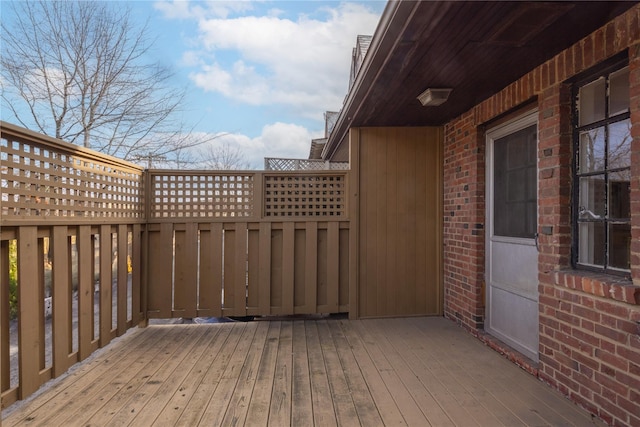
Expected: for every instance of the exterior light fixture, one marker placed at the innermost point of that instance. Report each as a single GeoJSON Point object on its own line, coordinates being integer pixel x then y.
{"type": "Point", "coordinates": [434, 97]}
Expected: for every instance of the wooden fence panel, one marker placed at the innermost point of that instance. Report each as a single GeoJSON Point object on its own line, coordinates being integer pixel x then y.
{"type": "Point", "coordinates": [160, 274]}
{"type": "Point", "coordinates": [123, 278]}
{"type": "Point", "coordinates": [5, 361]}
{"type": "Point", "coordinates": [186, 264]}
{"type": "Point", "coordinates": [29, 304]}
{"type": "Point", "coordinates": [62, 294]}
{"type": "Point", "coordinates": [86, 249]}
{"type": "Point", "coordinates": [106, 283]}
{"type": "Point", "coordinates": [210, 286]}
{"type": "Point", "coordinates": [264, 272]}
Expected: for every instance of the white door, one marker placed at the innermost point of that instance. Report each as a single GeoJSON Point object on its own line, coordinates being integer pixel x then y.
{"type": "Point", "coordinates": [512, 256]}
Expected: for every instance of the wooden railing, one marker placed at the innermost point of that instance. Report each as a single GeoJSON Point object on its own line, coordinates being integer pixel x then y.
{"type": "Point", "coordinates": [247, 244]}
{"type": "Point", "coordinates": [70, 255]}
{"type": "Point", "coordinates": [91, 245]}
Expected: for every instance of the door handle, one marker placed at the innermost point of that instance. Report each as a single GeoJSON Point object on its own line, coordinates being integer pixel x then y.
{"type": "Point", "coordinates": [535, 236]}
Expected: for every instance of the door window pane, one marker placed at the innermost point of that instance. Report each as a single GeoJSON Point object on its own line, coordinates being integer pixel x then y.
{"type": "Point", "coordinates": [591, 251]}
{"type": "Point", "coordinates": [619, 155]}
{"type": "Point", "coordinates": [515, 184]}
{"type": "Point", "coordinates": [592, 102]}
{"type": "Point", "coordinates": [592, 198]}
{"type": "Point", "coordinates": [592, 150]}
{"type": "Point", "coordinates": [619, 92]}
{"type": "Point", "coordinates": [620, 246]}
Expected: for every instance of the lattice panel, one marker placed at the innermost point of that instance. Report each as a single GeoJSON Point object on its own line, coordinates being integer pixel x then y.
{"type": "Point", "coordinates": [39, 180]}
{"type": "Point", "coordinates": [305, 196]}
{"type": "Point", "coordinates": [276, 164]}
{"type": "Point", "coordinates": [202, 195]}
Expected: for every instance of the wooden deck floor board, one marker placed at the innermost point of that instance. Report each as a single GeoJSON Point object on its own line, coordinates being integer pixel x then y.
{"type": "Point", "coordinates": [343, 403]}
{"type": "Point", "coordinates": [151, 401]}
{"type": "Point", "coordinates": [148, 381]}
{"type": "Point", "coordinates": [301, 401]}
{"type": "Point", "coordinates": [258, 411]}
{"type": "Point", "coordinates": [424, 360]}
{"type": "Point", "coordinates": [78, 378]}
{"type": "Point", "coordinates": [280, 408]}
{"type": "Point", "coordinates": [365, 406]}
{"type": "Point", "coordinates": [323, 410]}
{"type": "Point", "coordinates": [326, 372]}
{"type": "Point", "coordinates": [384, 356]}
{"type": "Point", "coordinates": [192, 413]}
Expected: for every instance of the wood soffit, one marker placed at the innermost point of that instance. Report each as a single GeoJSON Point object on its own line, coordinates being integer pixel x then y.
{"type": "Point", "coordinates": [475, 47]}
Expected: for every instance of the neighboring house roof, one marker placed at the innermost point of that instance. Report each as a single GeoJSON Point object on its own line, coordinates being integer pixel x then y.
{"type": "Point", "coordinates": [316, 148]}
{"type": "Point", "coordinates": [357, 56]}
{"type": "Point", "coordinates": [475, 48]}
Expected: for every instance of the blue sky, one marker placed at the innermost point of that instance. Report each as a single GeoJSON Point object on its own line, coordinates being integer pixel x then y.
{"type": "Point", "coordinates": [260, 72]}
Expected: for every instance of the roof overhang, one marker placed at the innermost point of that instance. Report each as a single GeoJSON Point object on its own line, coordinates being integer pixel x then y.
{"type": "Point", "coordinates": [476, 48]}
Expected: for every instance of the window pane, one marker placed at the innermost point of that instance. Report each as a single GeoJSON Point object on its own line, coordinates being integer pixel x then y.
{"type": "Point", "coordinates": [619, 245]}
{"type": "Point", "coordinates": [592, 102]}
{"type": "Point", "coordinates": [619, 145]}
{"type": "Point", "coordinates": [591, 251]}
{"type": "Point", "coordinates": [619, 92]}
{"type": "Point", "coordinates": [515, 184]}
{"type": "Point", "coordinates": [591, 151]}
{"type": "Point", "coordinates": [592, 197]}
{"type": "Point", "coordinates": [620, 195]}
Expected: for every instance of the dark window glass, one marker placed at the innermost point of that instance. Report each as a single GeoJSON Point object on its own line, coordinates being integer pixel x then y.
{"type": "Point", "coordinates": [515, 184]}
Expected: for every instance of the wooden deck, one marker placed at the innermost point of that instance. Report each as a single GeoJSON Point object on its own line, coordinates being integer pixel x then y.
{"type": "Point", "coordinates": [412, 371]}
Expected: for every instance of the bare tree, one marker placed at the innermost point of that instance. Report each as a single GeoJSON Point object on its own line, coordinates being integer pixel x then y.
{"type": "Point", "coordinates": [223, 156]}
{"type": "Point", "coordinates": [76, 70]}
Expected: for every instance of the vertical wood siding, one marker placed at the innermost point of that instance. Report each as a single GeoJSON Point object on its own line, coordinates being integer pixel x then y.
{"type": "Point", "coordinates": [399, 231]}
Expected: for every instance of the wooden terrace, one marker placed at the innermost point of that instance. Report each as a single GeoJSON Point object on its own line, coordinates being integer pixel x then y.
{"type": "Point", "coordinates": [416, 371]}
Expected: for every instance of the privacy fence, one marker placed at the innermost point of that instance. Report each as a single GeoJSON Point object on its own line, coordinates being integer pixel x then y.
{"type": "Point", "coordinates": [91, 246]}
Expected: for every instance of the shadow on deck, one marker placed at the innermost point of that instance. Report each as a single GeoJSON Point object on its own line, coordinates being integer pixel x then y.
{"type": "Point", "coordinates": [411, 371]}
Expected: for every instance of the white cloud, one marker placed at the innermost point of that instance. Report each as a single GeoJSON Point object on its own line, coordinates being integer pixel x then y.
{"type": "Point", "coordinates": [301, 63]}
{"type": "Point", "coordinates": [185, 9]}
{"type": "Point", "coordinates": [281, 140]}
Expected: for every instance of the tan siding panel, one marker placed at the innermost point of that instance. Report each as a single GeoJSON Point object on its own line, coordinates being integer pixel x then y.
{"type": "Point", "coordinates": [399, 200]}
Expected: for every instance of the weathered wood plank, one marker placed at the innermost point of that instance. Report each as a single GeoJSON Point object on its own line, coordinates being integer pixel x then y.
{"type": "Point", "coordinates": [170, 409]}
{"type": "Point", "coordinates": [146, 403]}
{"type": "Point", "coordinates": [258, 411]}
{"type": "Point", "coordinates": [280, 408]}
{"type": "Point", "coordinates": [219, 402]}
{"type": "Point", "coordinates": [195, 409]}
{"type": "Point", "coordinates": [365, 406]}
{"type": "Point", "coordinates": [110, 384]}
{"type": "Point", "coordinates": [392, 399]}
{"type": "Point", "coordinates": [322, 401]}
{"type": "Point", "coordinates": [343, 403]}
{"type": "Point", "coordinates": [301, 403]}
{"type": "Point", "coordinates": [71, 391]}
{"type": "Point", "coordinates": [135, 384]}
{"type": "Point", "coordinates": [242, 393]}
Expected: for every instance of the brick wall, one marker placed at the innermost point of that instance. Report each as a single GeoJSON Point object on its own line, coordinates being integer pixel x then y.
{"type": "Point", "coordinates": [589, 324]}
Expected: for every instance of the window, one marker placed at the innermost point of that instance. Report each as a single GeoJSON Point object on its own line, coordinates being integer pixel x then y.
{"type": "Point", "coordinates": [602, 172]}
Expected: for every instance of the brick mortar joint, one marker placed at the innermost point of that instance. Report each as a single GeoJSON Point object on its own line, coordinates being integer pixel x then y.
{"type": "Point", "coordinates": [615, 288]}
